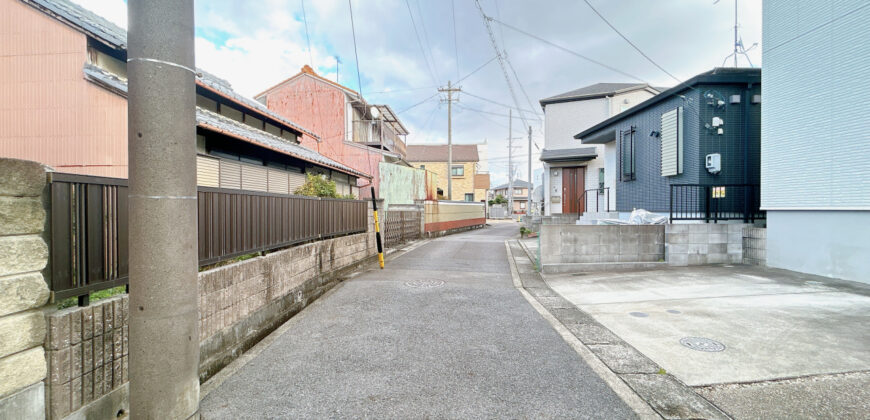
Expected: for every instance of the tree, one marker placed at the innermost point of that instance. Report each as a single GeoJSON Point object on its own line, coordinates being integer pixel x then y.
{"type": "Point", "coordinates": [319, 186]}
{"type": "Point", "coordinates": [499, 199]}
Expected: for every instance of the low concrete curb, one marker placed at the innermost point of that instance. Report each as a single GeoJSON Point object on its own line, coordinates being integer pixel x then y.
{"type": "Point", "coordinates": [639, 381]}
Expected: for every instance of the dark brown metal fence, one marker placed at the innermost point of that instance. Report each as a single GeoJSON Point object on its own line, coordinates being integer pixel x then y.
{"type": "Point", "coordinates": [89, 228]}
{"type": "Point", "coordinates": [401, 226]}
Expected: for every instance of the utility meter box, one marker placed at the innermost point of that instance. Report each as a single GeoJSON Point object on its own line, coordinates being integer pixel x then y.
{"type": "Point", "coordinates": [714, 163]}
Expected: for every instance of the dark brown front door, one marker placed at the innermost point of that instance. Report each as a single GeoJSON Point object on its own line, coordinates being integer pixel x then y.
{"type": "Point", "coordinates": [573, 182]}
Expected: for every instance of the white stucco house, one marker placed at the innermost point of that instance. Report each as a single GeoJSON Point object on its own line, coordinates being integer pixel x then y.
{"type": "Point", "coordinates": [571, 168]}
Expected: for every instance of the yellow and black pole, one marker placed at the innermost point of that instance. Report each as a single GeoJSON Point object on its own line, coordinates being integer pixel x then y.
{"type": "Point", "coordinates": [377, 230]}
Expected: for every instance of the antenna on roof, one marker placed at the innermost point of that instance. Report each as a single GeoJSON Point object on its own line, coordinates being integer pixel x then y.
{"type": "Point", "coordinates": [738, 42]}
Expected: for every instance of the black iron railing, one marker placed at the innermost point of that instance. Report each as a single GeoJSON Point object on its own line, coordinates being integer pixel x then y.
{"type": "Point", "coordinates": [584, 198]}
{"type": "Point", "coordinates": [712, 203]}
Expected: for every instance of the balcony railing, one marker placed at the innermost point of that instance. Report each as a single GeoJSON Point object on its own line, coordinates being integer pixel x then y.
{"type": "Point", "coordinates": [378, 133]}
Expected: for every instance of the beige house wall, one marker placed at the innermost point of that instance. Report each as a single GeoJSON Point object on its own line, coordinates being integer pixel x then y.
{"type": "Point", "coordinates": [461, 184]}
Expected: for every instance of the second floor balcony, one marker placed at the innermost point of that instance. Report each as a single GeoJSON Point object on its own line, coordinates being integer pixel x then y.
{"type": "Point", "coordinates": [383, 131]}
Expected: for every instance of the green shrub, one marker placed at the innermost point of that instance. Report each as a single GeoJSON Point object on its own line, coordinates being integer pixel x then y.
{"type": "Point", "coordinates": [317, 186]}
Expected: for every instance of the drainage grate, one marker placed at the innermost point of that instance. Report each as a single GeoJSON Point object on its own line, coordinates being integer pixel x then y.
{"type": "Point", "coordinates": [702, 344]}
{"type": "Point", "coordinates": [424, 284]}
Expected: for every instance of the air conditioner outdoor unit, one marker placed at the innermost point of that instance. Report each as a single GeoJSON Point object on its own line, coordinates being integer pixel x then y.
{"type": "Point", "coordinates": [713, 163]}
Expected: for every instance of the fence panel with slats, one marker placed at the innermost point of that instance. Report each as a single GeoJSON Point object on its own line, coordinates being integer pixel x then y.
{"type": "Point", "coordinates": [401, 226]}
{"type": "Point", "coordinates": [89, 227]}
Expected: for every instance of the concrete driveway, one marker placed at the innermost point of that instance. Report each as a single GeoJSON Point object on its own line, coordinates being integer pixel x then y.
{"type": "Point", "coordinates": [783, 344]}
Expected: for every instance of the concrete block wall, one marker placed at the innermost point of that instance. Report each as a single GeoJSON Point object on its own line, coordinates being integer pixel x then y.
{"type": "Point", "coordinates": [86, 349]}
{"type": "Point", "coordinates": [584, 244]}
{"type": "Point", "coordinates": [754, 246]}
{"type": "Point", "coordinates": [704, 243]}
{"type": "Point", "coordinates": [23, 290]}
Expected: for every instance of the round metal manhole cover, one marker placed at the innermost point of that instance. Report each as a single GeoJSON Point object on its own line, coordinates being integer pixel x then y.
{"type": "Point", "coordinates": [424, 284]}
{"type": "Point", "coordinates": [702, 344]}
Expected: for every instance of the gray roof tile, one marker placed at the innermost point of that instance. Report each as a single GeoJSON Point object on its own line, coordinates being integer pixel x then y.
{"type": "Point", "coordinates": [593, 91]}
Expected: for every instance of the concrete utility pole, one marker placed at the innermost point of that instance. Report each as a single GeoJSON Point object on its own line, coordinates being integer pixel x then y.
{"type": "Point", "coordinates": [531, 182]}
{"type": "Point", "coordinates": [450, 89]}
{"type": "Point", "coordinates": [510, 163]}
{"type": "Point", "coordinates": [164, 332]}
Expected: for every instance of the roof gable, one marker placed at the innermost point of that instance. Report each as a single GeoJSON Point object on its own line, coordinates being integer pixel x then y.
{"type": "Point", "coordinates": [307, 71]}
{"type": "Point", "coordinates": [598, 90]}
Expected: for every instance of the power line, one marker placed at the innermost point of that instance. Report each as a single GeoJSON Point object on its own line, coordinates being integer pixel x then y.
{"type": "Point", "coordinates": [498, 103]}
{"type": "Point", "coordinates": [356, 56]}
{"type": "Point", "coordinates": [636, 48]}
{"type": "Point", "coordinates": [476, 70]}
{"type": "Point", "coordinates": [426, 39]}
{"type": "Point", "coordinates": [522, 89]}
{"type": "Point", "coordinates": [420, 43]}
{"type": "Point", "coordinates": [817, 27]}
{"type": "Point", "coordinates": [307, 37]}
{"type": "Point", "coordinates": [418, 103]}
{"type": "Point", "coordinates": [455, 43]}
{"type": "Point", "coordinates": [501, 60]}
{"type": "Point", "coordinates": [401, 90]}
{"type": "Point", "coordinates": [572, 52]}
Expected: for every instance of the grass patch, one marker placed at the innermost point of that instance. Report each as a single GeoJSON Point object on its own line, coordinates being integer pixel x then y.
{"type": "Point", "coordinates": [95, 296]}
{"type": "Point", "coordinates": [662, 372]}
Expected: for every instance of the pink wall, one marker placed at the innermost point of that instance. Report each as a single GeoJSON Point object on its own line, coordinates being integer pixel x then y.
{"type": "Point", "coordinates": [320, 107]}
{"type": "Point", "coordinates": [48, 112]}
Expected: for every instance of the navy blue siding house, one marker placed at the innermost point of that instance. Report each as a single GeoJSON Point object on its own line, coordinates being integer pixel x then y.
{"type": "Point", "coordinates": [666, 141]}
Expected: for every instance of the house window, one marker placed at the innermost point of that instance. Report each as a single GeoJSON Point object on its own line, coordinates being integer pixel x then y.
{"type": "Point", "coordinates": [457, 171]}
{"type": "Point", "coordinates": [518, 191]}
{"type": "Point", "coordinates": [600, 180]}
{"type": "Point", "coordinates": [422, 166]}
{"type": "Point", "coordinates": [626, 154]}
{"type": "Point", "coordinates": [672, 142]}
{"type": "Point", "coordinates": [469, 197]}
{"type": "Point", "coordinates": [522, 204]}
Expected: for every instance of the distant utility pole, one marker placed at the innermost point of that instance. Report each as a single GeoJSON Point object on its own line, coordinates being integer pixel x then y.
{"type": "Point", "coordinates": [450, 89]}
{"type": "Point", "coordinates": [510, 163]}
{"type": "Point", "coordinates": [531, 183]}
{"type": "Point", "coordinates": [161, 131]}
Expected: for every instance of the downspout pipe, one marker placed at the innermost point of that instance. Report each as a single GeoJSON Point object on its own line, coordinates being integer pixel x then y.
{"type": "Point", "coordinates": [748, 193]}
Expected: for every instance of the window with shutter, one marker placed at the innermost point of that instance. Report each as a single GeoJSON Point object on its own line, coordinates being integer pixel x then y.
{"type": "Point", "coordinates": [672, 142]}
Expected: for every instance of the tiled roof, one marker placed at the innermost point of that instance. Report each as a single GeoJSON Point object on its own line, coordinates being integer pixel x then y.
{"type": "Point", "coordinates": [234, 128]}
{"type": "Point", "coordinates": [594, 91]}
{"type": "Point", "coordinates": [438, 153]}
{"type": "Point", "coordinates": [518, 183]}
{"type": "Point", "coordinates": [208, 119]}
{"type": "Point", "coordinates": [306, 69]}
{"type": "Point", "coordinates": [99, 27]}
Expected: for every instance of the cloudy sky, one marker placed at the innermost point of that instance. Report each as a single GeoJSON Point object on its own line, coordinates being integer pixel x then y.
{"type": "Point", "coordinates": [407, 48]}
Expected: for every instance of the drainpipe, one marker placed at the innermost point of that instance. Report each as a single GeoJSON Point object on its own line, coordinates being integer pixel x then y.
{"type": "Point", "coordinates": [747, 193]}
{"type": "Point", "coordinates": [164, 334]}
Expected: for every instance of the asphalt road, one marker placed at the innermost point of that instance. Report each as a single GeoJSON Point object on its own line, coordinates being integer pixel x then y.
{"type": "Point", "coordinates": [440, 333]}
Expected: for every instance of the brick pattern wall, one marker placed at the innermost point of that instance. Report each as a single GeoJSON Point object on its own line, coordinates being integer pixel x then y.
{"type": "Point", "coordinates": [86, 350]}
{"type": "Point", "coordinates": [754, 246]}
{"type": "Point", "coordinates": [23, 254]}
{"type": "Point", "coordinates": [704, 243]}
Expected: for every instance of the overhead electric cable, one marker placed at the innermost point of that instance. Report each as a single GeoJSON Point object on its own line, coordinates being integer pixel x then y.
{"type": "Point", "coordinates": [307, 36]}
{"type": "Point", "coordinates": [455, 43]}
{"type": "Point", "coordinates": [418, 103]}
{"type": "Point", "coordinates": [498, 103]}
{"type": "Point", "coordinates": [353, 31]}
{"type": "Point", "coordinates": [476, 70]}
{"type": "Point", "coordinates": [420, 44]}
{"type": "Point", "coordinates": [636, 48]}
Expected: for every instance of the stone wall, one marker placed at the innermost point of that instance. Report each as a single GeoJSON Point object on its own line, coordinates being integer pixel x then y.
{"type": "Point", "coordinates": [86, 349]}
{"type": "Point", "coordinates": [754, 246]}
{"type": "Point", "coordinates": [704, 243]}
{"type": "Point", "coordinates": [567, 248]}
{"type": "Point", "coordinates": [23, 254]}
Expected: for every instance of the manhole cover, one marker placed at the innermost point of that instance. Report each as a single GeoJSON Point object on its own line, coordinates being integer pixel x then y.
{"type": "Point", "coordinates": [424, 284]}
{"type": "Point", "coordinates": [702, 344]}
{"type": "Point", "coordinates": [673, 311]}
{"type": "Point", "coordinates": [639, 314]}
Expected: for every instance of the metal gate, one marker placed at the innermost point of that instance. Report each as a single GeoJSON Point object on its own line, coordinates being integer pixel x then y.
{"type": "Point", "coordinates": [401, 226]}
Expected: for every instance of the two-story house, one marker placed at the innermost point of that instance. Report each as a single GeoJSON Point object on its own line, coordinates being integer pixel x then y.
{"type": "Point", "coordinates": [462, 173]}
{"type": "Point", "coordinates": [67, 96]}
{"type": "Point", "coordinates": [691, 152]}
{"type": "Point", "coordinates": [569, 167]}
{"type": "Point", "coordinates": [521, 191]}
{"type": "Point", "coordinates": [352, 131]}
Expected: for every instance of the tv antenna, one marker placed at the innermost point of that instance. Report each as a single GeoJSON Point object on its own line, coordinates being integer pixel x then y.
{"type": "Point", "coordinates": [738, 42]}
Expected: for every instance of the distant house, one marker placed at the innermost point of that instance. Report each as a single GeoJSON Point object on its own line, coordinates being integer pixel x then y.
{"type": "Point", "coordinates": [481, 187]}
{"type": "Point", "coordinates": [815, 147]}
{"type": "Point", "coordinates": [465, 166]}
{"type": "Point", "coordinates": [569, 168]}
{"type": "Point", "coordinates": [76, 77]}
{"type": "Point", "coordinates": [521, 192]}
{"type": "Point", "coordinates": [352, 131]}
{"type": "Point", "coordinates": [712, 119]}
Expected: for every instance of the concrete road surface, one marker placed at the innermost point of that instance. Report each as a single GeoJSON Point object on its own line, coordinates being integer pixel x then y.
{"type": "Point", "coordinates": [440, 333]}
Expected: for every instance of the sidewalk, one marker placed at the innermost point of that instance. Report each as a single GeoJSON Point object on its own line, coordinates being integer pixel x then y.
{"type": "Point", "coordinates": [756, 342]}
{"type": "Point", "coordinates": [440, 333]}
